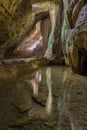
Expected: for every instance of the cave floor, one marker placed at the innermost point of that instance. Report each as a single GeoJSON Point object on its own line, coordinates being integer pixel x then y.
{"type": "Point", "coordinates": [50, 98]}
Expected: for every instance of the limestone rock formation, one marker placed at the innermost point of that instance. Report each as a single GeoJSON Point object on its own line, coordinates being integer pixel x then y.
{"type": "Point", "coordinates": [17, 19]}
{"type": "Point", "coordinates": [45, 29]}
{"type": "Point", "coordinates": [57, 46]}
{"type": "Point", "coordinates": [74, 40]}
{"type": "Point", "coordinates": [66, 31]}
{"type": "Point", "coordinates": [14, 22]}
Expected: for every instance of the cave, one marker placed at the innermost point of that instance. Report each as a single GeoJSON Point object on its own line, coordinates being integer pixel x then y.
{"type": "Point", "coordinates": [43, 65]}
{"type": "Point", "coordinates": [32, 44]}
{"type": "Point", "coordinates": [35, 44]}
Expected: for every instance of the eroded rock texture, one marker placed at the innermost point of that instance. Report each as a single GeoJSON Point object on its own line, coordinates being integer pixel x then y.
{"type": "Point", "coordinates": [45, 29]}
{"type": "Point", "coordinates": [74, 34]}
{"type": "Point", "coordinates": [17, 19]}
{"type": "Point", "coordinates": [14, 22]}
{"type": "Point", "coordinates": [69, 31]}
{"type": "Point", "coordinates": [57, 46]}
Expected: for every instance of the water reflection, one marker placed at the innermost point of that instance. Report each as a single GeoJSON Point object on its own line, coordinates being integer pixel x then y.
{"type": "Point", "coordinates": [61, 101]}
{"type": "Point", "coordinates": [35, 82]}
{"type": "Point", "coordinates": [66, 102]}
{"type": "Point", "coordinates": [75, 124]}
{"type": "Point", "coordinates": [58, 100]}
{"type": "Point", "coordinates": [49, 85]}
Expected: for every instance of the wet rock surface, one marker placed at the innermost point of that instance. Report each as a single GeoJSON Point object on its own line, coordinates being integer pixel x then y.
{"type": "Point", "coordinates": [74, 33]}
{"type": "Point", "coordinates": [51, 98]}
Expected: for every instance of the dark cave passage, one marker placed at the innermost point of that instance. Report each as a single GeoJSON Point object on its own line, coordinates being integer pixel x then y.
{"type": "Point", "coordinates": [85, 66]}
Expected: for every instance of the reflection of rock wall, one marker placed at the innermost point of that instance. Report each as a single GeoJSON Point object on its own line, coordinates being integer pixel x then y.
{"type": "Point", "coordinates": [74, 34]}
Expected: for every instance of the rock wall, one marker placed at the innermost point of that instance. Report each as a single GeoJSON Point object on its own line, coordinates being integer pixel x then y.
{"type": "Point", "coordinates": [49, 54]}
{"type": "Point", "coordinates": [57, 46]}
{"type": "Point", "coordinates": [45, 30]}
{"type": "Point", "coordinates": [17, 19]}
{"type": "Point", "coordinates": [69, 32]}
{"type": "Point", "coordinates": [14, 22]}
{"type": "Point", "coordinates": [74, 34]}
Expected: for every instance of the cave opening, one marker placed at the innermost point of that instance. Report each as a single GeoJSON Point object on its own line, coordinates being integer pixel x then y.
{"type": "Point", "coordinates": [32, 45]}
{"type": "Point", "coordinates": [35, 42]}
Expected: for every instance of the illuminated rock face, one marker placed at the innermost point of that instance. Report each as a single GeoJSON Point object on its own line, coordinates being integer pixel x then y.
{"type": "Point", "coordinates": [69, 31]}
{"type": "Point", "coordinates": [74, 33]}
{"type": "Point", "coordinates": [36, 43]}
{"type": "Point", "coordinates": [30, 44]}
{"type": "Point", "coordinates": [17, 19]}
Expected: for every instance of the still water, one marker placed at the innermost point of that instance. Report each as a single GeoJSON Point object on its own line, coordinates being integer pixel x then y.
{"type": "Point", "coordinates": [50, 98]}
